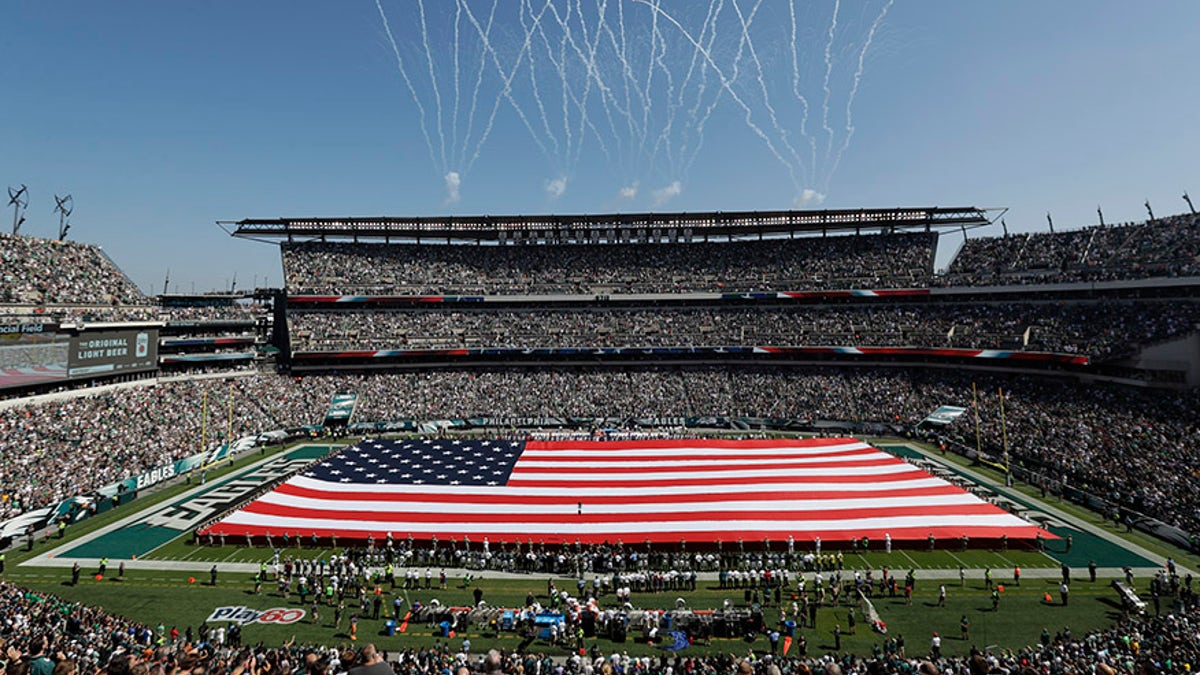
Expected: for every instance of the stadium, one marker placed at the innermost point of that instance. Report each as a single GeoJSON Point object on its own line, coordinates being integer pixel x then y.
{"type": "Point", "coordinates": [689, 338]}
{"type": "Point", "coordinates": [683, 419]}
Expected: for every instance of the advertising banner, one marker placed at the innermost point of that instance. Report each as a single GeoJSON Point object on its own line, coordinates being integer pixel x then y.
{"type": "Point", "coordinates": [341, 409]}
{"type": "Point", "coordinates": [945, 415]}
{"type": "Point", "coordinates": [112, 352]}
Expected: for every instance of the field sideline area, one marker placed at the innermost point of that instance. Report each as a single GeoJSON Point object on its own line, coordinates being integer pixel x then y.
{"type": "Point", "coordinates": [166, 577]}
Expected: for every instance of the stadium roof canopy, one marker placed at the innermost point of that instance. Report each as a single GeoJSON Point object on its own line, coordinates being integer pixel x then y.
{"type": "Point", "coordinates": [609, 228]}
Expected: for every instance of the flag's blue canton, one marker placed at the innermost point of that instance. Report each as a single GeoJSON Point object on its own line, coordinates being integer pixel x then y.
{"type": "Point", "coordinates": [422, 462]}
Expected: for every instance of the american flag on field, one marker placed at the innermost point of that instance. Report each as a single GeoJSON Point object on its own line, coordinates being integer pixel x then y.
{"type": "Point", "coordinates": [592, 491]}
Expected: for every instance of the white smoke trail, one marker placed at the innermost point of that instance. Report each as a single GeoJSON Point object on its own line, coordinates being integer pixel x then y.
{"type": "Point", "coordinates": [699, 123]}
{"type": "Point", "coordinates": [828, 73]}
{"type": "Point", "coordinates": [562, 74]}
{"type": "Point", "coordinates": [407, 82]}
{"type": "Point", "coordinates": [727, 86]}
{"type": "Point", "coordinates": [586, 56]}
{"type": "Point", "coordinates": [762, 84]}
{"type": "Point", "coordinates": [628, 192]}
{"type": "Point", "coordinates": [627, 72]}
{"type": "Point", "coordinates": [457, 92]}
{"type": "Point", "coordinates": [812, 141]}
{"type": "Point", "coordinates": [626, 96]}
{"type": "Point", "coordinates": [592, 40]}
{"type": "Point", "coordinates": [462, 159]}
{"type": "Point", "coordinates": [858, 75]}
{"type": "Point", "coordinates": [569, 97]}
{"type": "Point", "coordinates": [659, 54]}
{"type": "Point", "coordinates": [672, 111]}
{"type": "Point", "coordinates": [537, 96]}
{"type": "Point", "coordinates": [587, 59]}
{"type": "Point", "coordinates": [507, 78]}
{"type": "Point", "coordinates": [437, 90]}
{"type": "Point", "coordinates": [647, 100]}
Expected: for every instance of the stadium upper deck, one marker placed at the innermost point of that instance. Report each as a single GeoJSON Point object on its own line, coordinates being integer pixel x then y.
{"type": "Point", "coordinates": [877, 261]}
{"type": "Point", "coordinates": [613, 228]}
{"type": "Point", "coordinates": [714, 253]}
{"type": "Point", "coordinates": [45, 271]}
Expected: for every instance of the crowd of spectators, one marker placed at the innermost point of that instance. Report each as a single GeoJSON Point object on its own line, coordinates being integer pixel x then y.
{"type": "Point", "coordinates": [234, 312]}
{"type": "Point", "coordinates": [46, 271]}
{"type": "Point", "coordinates": [1166, 247]}
{"type": "Point", "coordinates": [875, 261]}
{"type": "Point", "coordinates": [1096, 329]}
{"type": "Point", "coordinates": [42, 633]}
{"type": "Point", "coordinates": [52, 451]}
{"type": "Point", "coordinates": [1136, 448]}
{"type": "Point", "coordinates": [77, 314]}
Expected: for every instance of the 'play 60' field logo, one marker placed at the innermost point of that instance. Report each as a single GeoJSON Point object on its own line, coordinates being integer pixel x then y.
{"type": "Point", "coordinates": [245, 615]}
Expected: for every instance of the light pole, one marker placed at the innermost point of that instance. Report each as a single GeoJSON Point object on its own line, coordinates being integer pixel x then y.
{"type": "Point", "coordinates": [1186, 198]}
{"type": "Point", "coordinates": [63, 206]}
{"type": "Point", "coordinates": [1149, 210]}
{"type": "Point", "coordinates": [18, 199]}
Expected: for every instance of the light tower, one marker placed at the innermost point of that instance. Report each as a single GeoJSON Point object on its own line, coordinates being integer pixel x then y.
{"type": "Point", "coordinates": [63, 206]}
{"type": "Point", "coordinates": [18, 199]}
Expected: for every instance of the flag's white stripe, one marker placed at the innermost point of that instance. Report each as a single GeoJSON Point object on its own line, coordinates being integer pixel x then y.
{"type": "Point", "coordinates": [616, 490]}
{"type": "Point", "coordinates": [642, 464]}
{"type": "Point", "coordinates": [652, 474]}
{"type": "Point", "coordinates": [515, 507]}
{"type": "Point", "coordinates": [698, 452]}
{"type": "Point", "coordinates": [728, 527]}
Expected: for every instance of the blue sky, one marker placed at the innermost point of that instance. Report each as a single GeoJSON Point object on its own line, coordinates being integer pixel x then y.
{"type": "Point", "coordinates": [161, 118]}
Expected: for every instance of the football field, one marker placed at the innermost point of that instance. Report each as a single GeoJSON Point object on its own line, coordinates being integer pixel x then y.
{"type": "Point", "coordinates": [166, 575]}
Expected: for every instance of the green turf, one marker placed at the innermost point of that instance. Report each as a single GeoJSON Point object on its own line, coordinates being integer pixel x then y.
{"type": "Point", "coordinates": [125, 543]}
{"type": "Point", "coordinates": [168, 598]}
{"type": "Point", "coordinates": [1084, 546]}
{"type": "Point", "coordinates": [1146, 541]}
{"type": "Point", "coordinates": [154, 496]}
{"type": "Point", "coordinates": [139, 539]}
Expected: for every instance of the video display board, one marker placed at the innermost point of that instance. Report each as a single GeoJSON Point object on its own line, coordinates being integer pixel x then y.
{"type": "Point", "coordinates": [113, 352]}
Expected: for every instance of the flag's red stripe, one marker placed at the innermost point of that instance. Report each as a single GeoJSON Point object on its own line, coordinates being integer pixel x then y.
{"type": "Point", "coordinates": [399, 516]}
{"type": "Point", "coordinates": [733, 459]}
{"type": "Point", "coordinates": [567, 498]}
{"type": "Point", "coordinates": [737, 480]}
{"type": "Point", "coordinates": [754, 537]}
{"type": "Point", "coordinates": [835, 464]}
{"type": "Point", "coordinates": [650, 444]}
